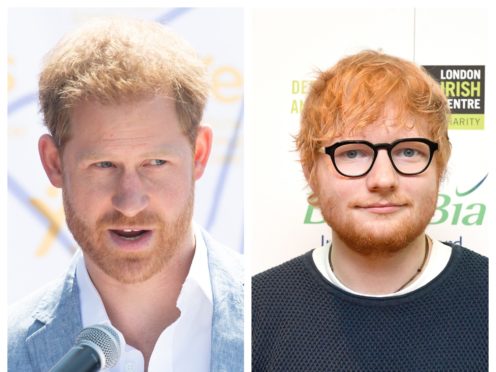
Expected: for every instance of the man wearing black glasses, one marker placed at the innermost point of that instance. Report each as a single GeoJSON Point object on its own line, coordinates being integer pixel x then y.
{"type": "Point", "coordinates": [383, 295]}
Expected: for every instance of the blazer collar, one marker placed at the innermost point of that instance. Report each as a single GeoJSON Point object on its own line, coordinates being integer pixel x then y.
{"type": "Point", "coordinates": [226, 274]}
{"type": "Point", "coordinates": [57, 322]}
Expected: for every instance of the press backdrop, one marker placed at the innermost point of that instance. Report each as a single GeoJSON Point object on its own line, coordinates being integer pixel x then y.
{"type": "Point", "coordinates": [289, 45]}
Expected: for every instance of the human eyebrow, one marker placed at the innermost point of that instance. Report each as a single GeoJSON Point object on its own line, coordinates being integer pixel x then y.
{"type": "Point", "coordinates": [161, 153]}
{"type": "Point", "coordinates": [166, 151]}
{"type": "Point", "coordinates": [92, 156]}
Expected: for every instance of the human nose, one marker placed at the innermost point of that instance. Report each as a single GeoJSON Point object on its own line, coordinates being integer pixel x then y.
{"type": "Point", "coordinates": [382, 176]}
{"type": "Point", "coordinates": [130, 196]}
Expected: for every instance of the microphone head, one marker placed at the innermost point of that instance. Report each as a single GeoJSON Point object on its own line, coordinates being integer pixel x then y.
{"type": "Point", "coordinates": [105, 340]}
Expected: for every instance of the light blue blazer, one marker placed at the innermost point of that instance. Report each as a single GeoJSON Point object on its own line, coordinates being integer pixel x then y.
{"type": "Point", "coordinates": [43, 327]}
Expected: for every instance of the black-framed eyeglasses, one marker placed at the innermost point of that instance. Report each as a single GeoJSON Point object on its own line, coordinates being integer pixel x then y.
{"type": "Point", "coordinates": [409, 156]}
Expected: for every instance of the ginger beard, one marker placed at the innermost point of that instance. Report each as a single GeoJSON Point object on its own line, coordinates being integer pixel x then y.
{"type": "Point", "coordinates": [381, 235]}
{"type": "Point", "coordinates": [130, 267]}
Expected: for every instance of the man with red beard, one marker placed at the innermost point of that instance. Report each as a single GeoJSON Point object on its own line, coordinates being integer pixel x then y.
{"type": "Point", "coordinates": [383, 295]}
{"type": "Point", "coordinates": [123, 100]}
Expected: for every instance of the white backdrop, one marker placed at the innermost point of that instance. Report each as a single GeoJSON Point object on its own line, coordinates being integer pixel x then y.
{"type": "Point", "coordinates": [39, 244]}
{"type": "Point", "coordinates": [285, 58]}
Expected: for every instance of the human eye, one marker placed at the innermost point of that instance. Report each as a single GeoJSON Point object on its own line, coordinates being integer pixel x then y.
{"type": "Point", "coordinates": [408, 152]}
{"type": "Point", "coordinates": [352, 152]}
{"type": "Point", "coordinates": [156, 162]}
{"type": "Point", "coordinates": [411, 151]}
{"type": "Point", "coordinates": [104, 164]}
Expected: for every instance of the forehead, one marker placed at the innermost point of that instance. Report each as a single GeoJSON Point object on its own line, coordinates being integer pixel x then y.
{"type": "Point", "coordinates": [391, 125]}
{"type": "Point", "coordinates": [125, 126]}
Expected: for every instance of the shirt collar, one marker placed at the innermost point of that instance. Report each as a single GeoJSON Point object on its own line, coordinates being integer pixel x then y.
{"type": "Point", "coordinates": [92, 309]}
{"type": "Point", "coordinates": [197, 283]}
{"type": "Point", "coordinates": [199, 274]}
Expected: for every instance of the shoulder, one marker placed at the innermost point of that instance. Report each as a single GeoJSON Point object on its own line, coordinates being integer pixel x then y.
{"type": "Point", "coordinates": [23, 321]}
{"type": "Point", "coordinates": [279, 298]}
{"type": "Point", "coordinates": [23, 313]}
{"type": "Point", "coordinates": [283, 285]}
{"type": "Point", "coordinates": [222, 259]}
{"type": "Point", "coordinates": [468, 271]}
{"type": "Point", "coordinates": [474, 256]}
{"type": "Point", "coordinates": [52, 312]}
{"type": "Point", "coordinates": [291, 271]}
{"type": "Point", "coordinates": [226, 274]}
{"type": "Point", "coordinates": [471, 262]}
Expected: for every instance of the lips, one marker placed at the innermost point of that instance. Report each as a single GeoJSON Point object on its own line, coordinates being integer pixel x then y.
{"type": "Point", "coordinates": [129, 234]}
{"type": "Point", "coordinates": [131, 238]}
{"type": "Point", "coordinates": [383, 205]}
{"type": "Point", "coordinates": [382, 208]}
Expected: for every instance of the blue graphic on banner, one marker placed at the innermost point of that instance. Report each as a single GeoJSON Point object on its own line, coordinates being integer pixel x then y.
{"type": "Point", "coordinates": [21, 102]}
{"type": "Point", "coordinates": [172, 14]}
{"type": "Point", "coordinates": [23, 197]}
{"type": "Point", "coordinates": [225, 169]}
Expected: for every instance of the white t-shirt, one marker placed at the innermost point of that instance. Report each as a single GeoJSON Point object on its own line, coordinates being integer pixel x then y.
{"type": "Point", "coordinates": [439, 257]}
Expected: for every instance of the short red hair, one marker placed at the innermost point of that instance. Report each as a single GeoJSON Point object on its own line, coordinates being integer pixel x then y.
{"type": "Point", "coordinates": [353, 93]}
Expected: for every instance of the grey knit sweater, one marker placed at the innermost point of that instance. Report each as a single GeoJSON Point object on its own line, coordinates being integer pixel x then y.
{"type": "Point", "coordinates": [301, 322]}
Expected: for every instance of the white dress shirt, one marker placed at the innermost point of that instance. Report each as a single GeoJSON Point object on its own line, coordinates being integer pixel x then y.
{"type": "Point", "coordinates": [439, 257]}
{"type": "Point", "coordinates": [183, 346]}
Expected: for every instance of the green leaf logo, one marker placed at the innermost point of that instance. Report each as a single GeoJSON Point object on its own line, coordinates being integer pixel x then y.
{"type": "Point", "coordinates": [472, 189]}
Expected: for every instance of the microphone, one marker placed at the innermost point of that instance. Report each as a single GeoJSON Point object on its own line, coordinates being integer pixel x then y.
{"type": "Point", "coordinates": [97, 347]}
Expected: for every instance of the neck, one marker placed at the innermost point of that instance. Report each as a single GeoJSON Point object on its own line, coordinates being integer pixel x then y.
{"type": "Point", "coordinates": [142, 311]}
{"type": "Point", "coordinates": [378, 274]}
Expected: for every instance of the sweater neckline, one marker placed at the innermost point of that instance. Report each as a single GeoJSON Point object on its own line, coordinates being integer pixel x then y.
{"type": "Point", "coordinates": [401, 298]}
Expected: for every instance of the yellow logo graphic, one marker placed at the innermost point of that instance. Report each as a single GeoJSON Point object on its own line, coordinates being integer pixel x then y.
{"type": "Point", "coordinates": [227, 82]}
{"type": "Point", "coordinates": [10, 77]}
{"type": "Point", "coordinates": [55, 219]}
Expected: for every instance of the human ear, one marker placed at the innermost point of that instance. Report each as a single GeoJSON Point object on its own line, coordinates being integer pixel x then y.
{"type": "Point", "coordinates": [203, 145]}
{"type": "Point", "coordinates": [51, 159]}
{"type": "Point", "coordinates": [309, 172]}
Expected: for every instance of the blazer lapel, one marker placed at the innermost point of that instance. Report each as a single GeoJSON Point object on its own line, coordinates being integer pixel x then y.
{"type": "Point", "coordinates": [58, 321]}
{"type": "Point", "coordinates": [226, 273]}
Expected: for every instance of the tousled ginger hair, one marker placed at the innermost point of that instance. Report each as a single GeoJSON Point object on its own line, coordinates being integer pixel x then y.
{"type": "Point", "coordinates": [354, 93]}
{"type": "Point", "coordinates": [117, 60]}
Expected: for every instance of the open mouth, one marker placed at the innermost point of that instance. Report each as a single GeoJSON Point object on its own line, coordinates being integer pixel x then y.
{"type": "Point", "coordinates": [130, 234]}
